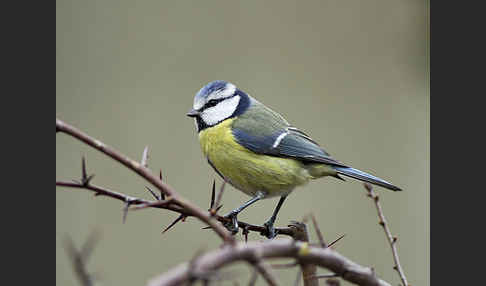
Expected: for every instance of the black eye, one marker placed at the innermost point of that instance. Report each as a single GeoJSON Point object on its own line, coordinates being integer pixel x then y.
{"type": "Point", "coordinates": [212, 102]}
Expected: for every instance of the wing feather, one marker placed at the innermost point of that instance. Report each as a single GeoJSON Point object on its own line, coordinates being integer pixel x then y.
{"type": "Point", "coordinates": [264, 131]}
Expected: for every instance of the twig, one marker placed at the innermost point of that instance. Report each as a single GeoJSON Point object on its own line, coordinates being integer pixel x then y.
{"type": "Point", "coordinates": [147, 175]}
{"type": "Point", "coordinates": [254, 253]}
{"type": "Point", "coordinates": [79, 258]}
{"type": "Point", "coordinates": [166, 204]}
{"type": "Point", "coordinates": [318, 231]}
{"type": "Point", "coordinates": [178, 204]}
{"type": "Point", "coordinates": [308, 270]}
{"type": "Point", "coordinates": [391, 239]}
{"type": "Point", "coordinates": [269, 249]}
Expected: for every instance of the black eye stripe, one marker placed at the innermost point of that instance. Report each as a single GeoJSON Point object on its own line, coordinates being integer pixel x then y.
{"type": "Point", "coordinates": [214, 102]}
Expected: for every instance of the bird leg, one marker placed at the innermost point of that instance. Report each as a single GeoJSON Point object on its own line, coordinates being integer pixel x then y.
{"type": "Point", "coordinates": [269, 223]}
{"type": "Point", "coordinates": [233, 225]}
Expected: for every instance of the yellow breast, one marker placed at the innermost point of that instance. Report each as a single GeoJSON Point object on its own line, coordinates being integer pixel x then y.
{"type": "Point", "coordinates": [246, 170]}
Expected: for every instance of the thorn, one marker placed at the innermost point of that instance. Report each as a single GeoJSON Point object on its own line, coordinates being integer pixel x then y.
{"type": "Point", "coordinates": [83, 169]}
{"type": "Point", "coordinates": [162, 195]}
{"type": "Point", "coordinates": [213, 195]}
{"type": "Point", "coordinates": [125, 211]}
{"type": "Point", "coordinates": [213, 211]}
{"type": "Point", "coordinates": [377, 198]}
{"type": "Point", "coordinates": [373, 271]}
{"type": "Point", "coordinates": [245, 232]}
{"type": "Point", "coordinates": [153, 194]}
{"type": "Point", "coordinates": [395, 267]}
{"type": "Point", "coordinates": [174, 222]}
{"type": "Point", "coordinates": [85, 179]}
{"type": "Point", "coordinates": [206, 227]}
{"type": "Point", "coordinates": [381, 223]}
{"type": "Point", "coordinates": [395, 239]}
{"type": "Point", "coordinates": [89, 179]}
{"type": "Point", "coordinates": [336, 240]}
{"type": "Point", "coordinates": [143, 162]}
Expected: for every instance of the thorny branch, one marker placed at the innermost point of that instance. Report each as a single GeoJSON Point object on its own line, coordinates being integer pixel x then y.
{"type": "Point", "coordinates": [304, 253]}
{"type": "Point", "coordinates": [391, 239]}
{"type": "Point", "coordinates": [177, 203]}
{"type": "Point", "coordinates": [147, 175]}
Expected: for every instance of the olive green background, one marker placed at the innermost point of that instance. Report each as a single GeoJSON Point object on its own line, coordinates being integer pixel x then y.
{"type": "Point", "coordinates": [352, 74]}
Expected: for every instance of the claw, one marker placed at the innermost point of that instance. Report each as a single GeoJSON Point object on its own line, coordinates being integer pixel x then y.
{"type": "Point", "coordinates": [233, 225]}
{"type": "Point", "coordinates": [270, 230]}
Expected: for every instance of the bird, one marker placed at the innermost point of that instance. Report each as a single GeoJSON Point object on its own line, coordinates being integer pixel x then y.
{"type": "Point", "coordinates": [258, 152]}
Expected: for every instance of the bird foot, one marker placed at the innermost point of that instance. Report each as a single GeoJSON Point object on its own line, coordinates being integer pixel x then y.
{"type": "Point", "coordinates": [270, 232]}
{"type": "Point", "coordinates": [232, 226]}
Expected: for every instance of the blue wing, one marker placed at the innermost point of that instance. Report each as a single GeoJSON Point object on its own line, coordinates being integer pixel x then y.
{"type": "Point", "coordinates": [286, 142]}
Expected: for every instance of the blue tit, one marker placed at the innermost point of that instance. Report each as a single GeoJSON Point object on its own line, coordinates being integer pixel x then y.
{"type": "Point", "coordinates": [257, 151]}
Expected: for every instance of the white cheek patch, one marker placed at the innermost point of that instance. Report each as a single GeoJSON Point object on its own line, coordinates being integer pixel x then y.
{"type": "Point", "coordinates": [221, 111]}
{"type": "Point", "coordinates": [227, 91]}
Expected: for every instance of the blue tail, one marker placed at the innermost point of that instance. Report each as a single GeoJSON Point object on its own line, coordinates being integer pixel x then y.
{"type": "Point", "coordinates": [365, 177]}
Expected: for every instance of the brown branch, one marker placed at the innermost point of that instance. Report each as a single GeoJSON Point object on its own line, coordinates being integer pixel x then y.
{"type": "Point", "coordinates": [277, 248]}
{"type": "Point", "coordinates": [147, 175]}
{"type": "Point", "coordinates": [254, 253]}
{"type": "Point", "coordinates": [180, 204]}
{"type": "Point", "coordinates": [168, 204]}
{"type": "Point", "coordinates": [80, 257]}
{"type": "Point", "coordinates": [100, 191]}
{"type": "Point", "coordinates": [391, 239]}
{"type": "Point", "coordinates": [318, 231]}
{"type": "Point", "coordinates": [308, 270]}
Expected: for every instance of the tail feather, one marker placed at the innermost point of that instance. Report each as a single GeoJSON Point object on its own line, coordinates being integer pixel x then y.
{"type": "Point", "coordinates": [362, 176]}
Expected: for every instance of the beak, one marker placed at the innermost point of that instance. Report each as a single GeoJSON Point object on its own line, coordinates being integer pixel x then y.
{"type": "Point", "coordinates": [193, 113]}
